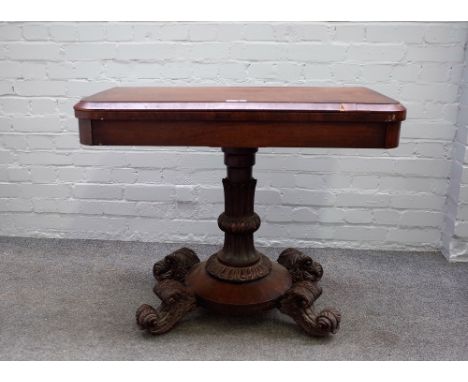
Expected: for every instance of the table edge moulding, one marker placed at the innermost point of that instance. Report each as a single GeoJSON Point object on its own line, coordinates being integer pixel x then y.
{"type": "Point", "coordinates": [238, 279]}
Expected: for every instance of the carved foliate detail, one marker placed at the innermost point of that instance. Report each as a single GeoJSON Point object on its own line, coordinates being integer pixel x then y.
{"type": "Point", "coordinates": [299, 299]}
{"type": "Point", "coordinates": [298, 303]}
{"type": "Point", "coordinates": [222, 271]}
{"type": "Point", "coordinates": [238, 224]}
{"type": "Point", "coordinates": [300, 266]}
{"type": "Point", "coordinates": [175, 265]}
{"type": "Point", "coordinates": [176, 299]}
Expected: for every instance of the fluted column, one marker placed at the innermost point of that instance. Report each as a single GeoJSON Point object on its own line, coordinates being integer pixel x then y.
{"type": "Point", "coordinates": [238, 260]}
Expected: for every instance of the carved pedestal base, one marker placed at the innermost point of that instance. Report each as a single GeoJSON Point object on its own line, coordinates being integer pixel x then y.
{"type": "Point", "coordinates": [238, 298]}
{"type": "Point", "coordinates": [291, 286]}
{"type": "Point", "coordinates": [238, 279]}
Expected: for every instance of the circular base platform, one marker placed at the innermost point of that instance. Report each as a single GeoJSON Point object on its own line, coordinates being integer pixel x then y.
{"type": "Point", "coordinates": [238, 298]}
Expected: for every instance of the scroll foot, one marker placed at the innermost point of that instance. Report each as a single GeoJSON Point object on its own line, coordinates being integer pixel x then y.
{"type": "Point", "coordinates": [298, 301]}
{"type": "Point", "coordinates": [176, 299]}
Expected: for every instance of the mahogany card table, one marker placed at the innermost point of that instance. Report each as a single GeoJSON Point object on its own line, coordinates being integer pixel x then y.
{"type": "Point", "coordinates": [238, 279]}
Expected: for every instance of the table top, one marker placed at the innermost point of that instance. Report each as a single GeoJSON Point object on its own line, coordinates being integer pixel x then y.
{"type": "Point", "coordinates": [315, 99]}
{"type": "Point", "coordinates": [240, 117]}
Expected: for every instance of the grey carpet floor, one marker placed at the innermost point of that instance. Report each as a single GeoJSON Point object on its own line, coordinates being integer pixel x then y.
{"type": "Point", "coordinates": [76, 299]}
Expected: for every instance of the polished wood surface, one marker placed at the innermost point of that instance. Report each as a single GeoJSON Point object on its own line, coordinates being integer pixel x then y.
{"type": "Point", "coordinates": [238, 98]}
{"type": "Point", "coordinates": [241, 117]}
{"type": "Point", "coordinates": [238, 298]}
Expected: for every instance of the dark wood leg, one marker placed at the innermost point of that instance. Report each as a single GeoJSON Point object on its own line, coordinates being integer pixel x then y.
{"type": "Point", "coordinates": [176, 299]}
{"type": "Point", "coordinates": [298, 301]}
{"type": "Point", "coordinates": [238, 279]}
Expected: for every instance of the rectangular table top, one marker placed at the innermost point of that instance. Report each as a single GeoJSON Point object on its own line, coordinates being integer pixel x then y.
{"type": "Point", "coordinates": [241, 117]}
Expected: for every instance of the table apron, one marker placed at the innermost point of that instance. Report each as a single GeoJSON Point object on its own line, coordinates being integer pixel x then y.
{"type": "Point", "coordinates": [234, 134]}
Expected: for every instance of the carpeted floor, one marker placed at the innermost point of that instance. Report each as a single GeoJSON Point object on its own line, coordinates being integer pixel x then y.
{"type": "Point", "coordinates": [76, 300]}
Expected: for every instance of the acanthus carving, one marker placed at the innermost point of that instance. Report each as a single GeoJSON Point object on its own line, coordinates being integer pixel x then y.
{"type": "Point", "coordinates": [299, 299]}
{"type": "Point", "coordinates": [175, 265]}
{"type": "Point", "coordinates": [236, 224]}
{"type": "Point", "coordinates": [176, 299]}
{"type": "Point", "coordinates": [222, 271]}
{"type": "Point", "coordinates": [300, 266]}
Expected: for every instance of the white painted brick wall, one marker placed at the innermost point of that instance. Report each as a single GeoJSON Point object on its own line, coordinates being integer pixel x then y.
{"type": "Point", "coordinates": [455, 237]}
{"type": "Point", "coordinates": [50, 186]}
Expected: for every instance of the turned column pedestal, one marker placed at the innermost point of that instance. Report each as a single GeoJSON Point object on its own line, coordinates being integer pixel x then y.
{"type": "Point", "coordinates": [238, 279]}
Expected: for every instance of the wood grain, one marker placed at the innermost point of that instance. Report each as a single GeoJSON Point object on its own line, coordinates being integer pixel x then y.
{"type": "Point", "coordinates": [241, 96]}
{"type": "Point", "coordinates": [241, 117]}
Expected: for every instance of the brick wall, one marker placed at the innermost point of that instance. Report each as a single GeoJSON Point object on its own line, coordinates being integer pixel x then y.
{"type": "Point", "coordinates": [51, 186]}
{"type": "Point", "coordinates": [455, 236]}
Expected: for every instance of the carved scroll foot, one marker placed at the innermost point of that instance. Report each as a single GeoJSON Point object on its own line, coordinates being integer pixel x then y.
{"type": "Point", "coordinates": [176, 299]}
{"type": "Point", "coordinates": [298, 301]}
